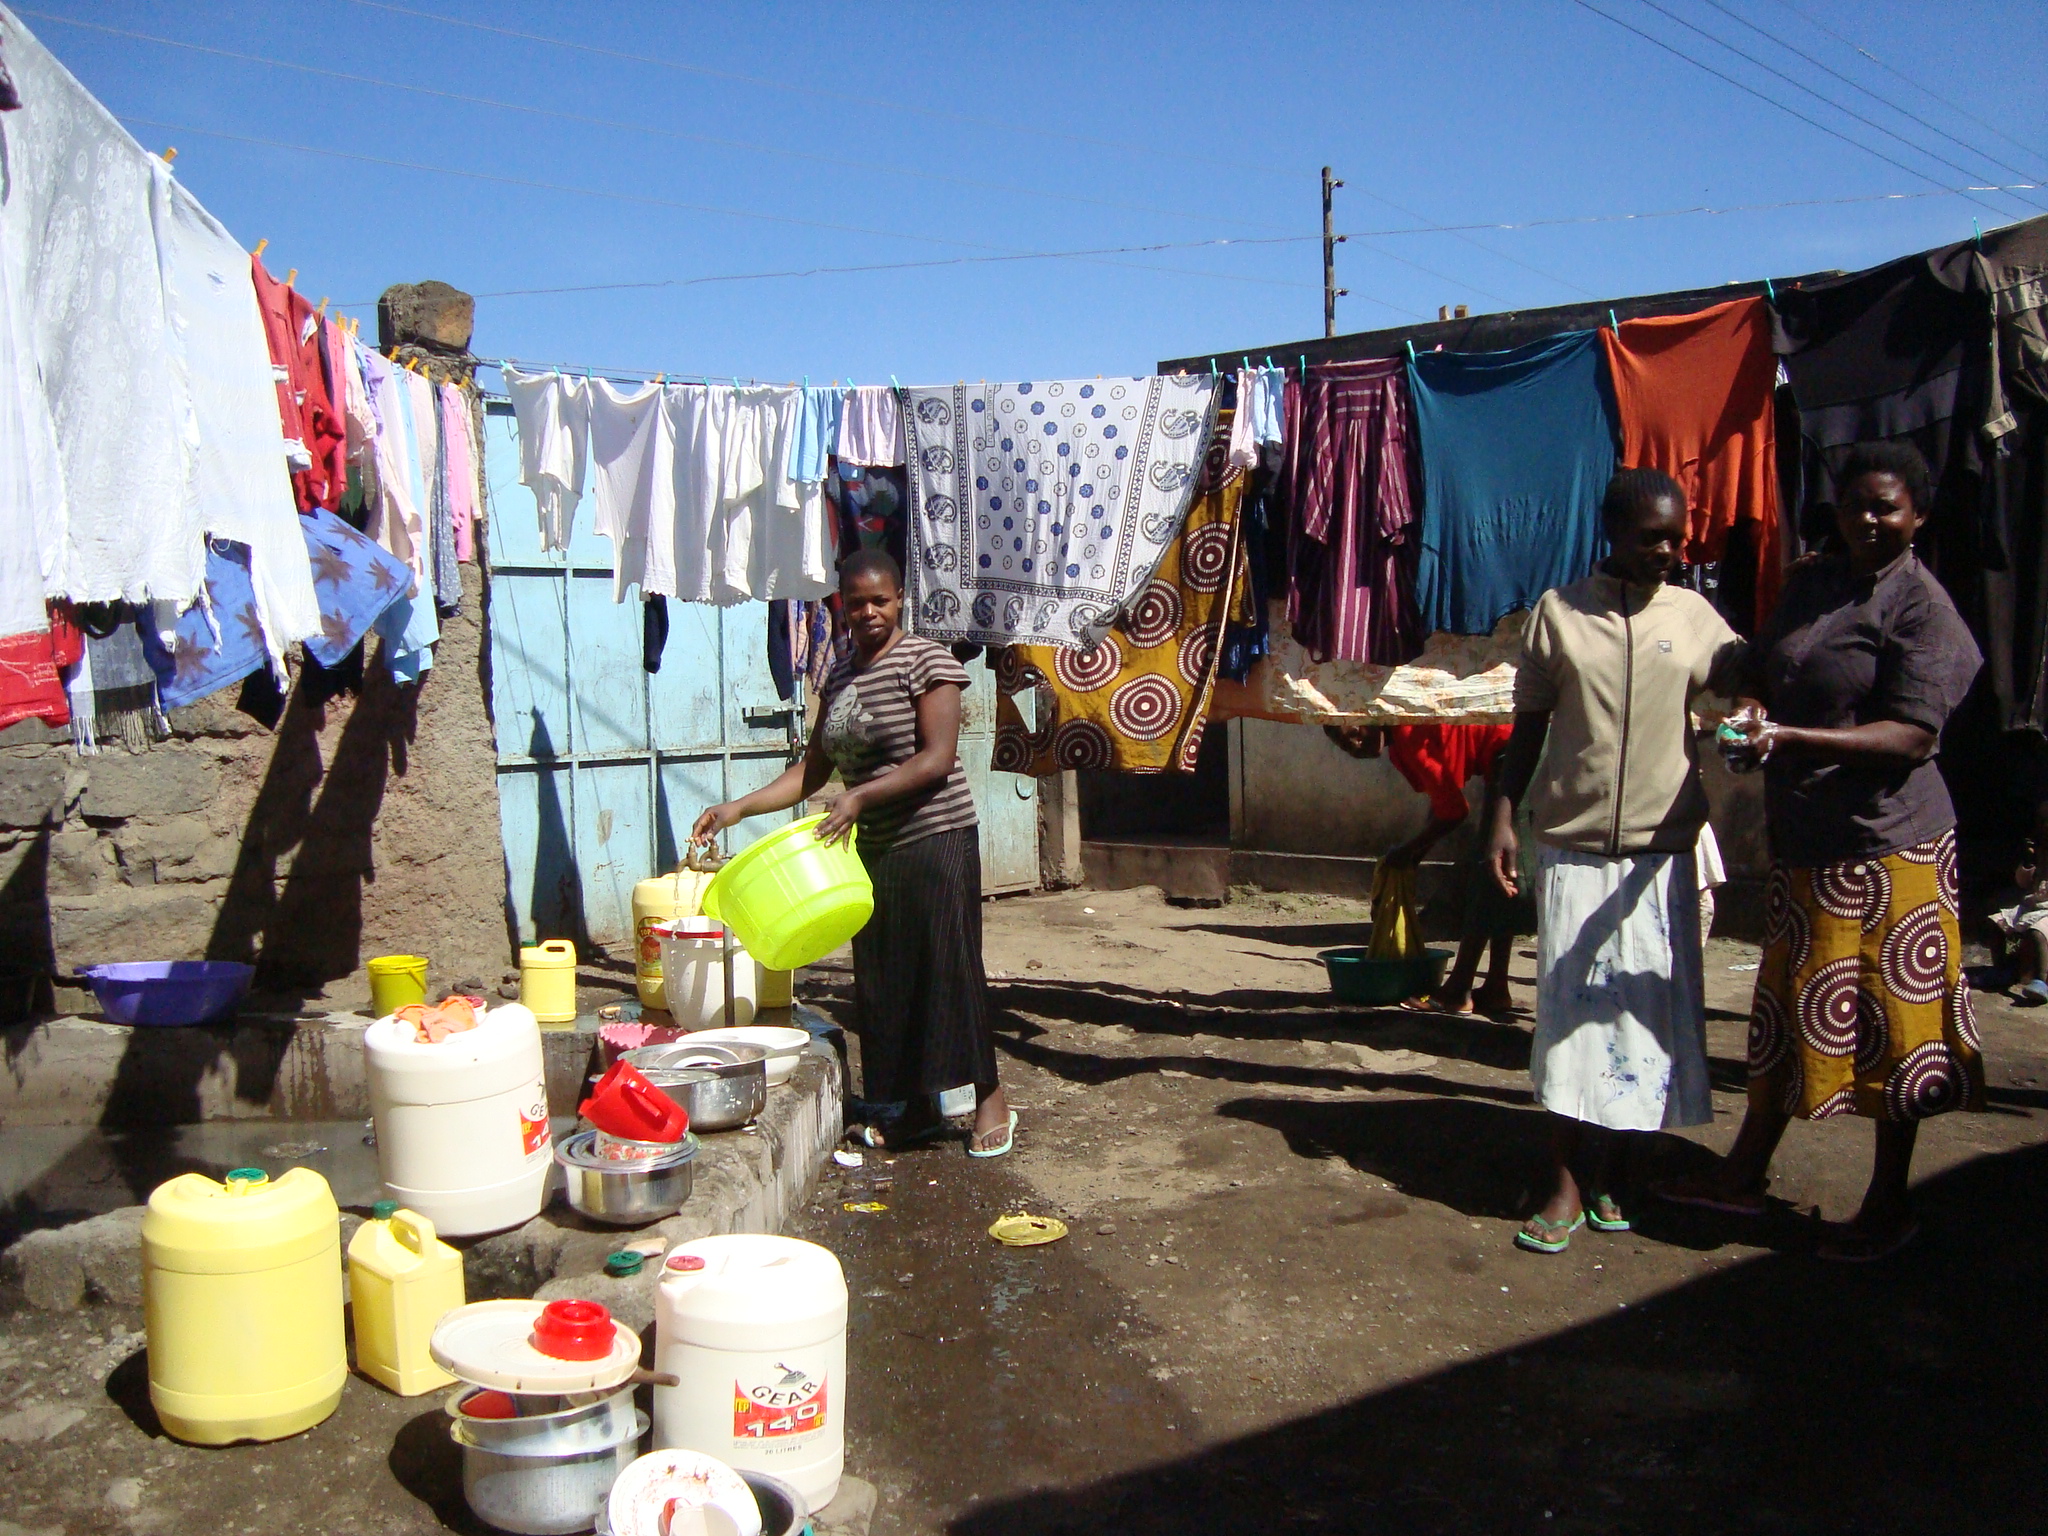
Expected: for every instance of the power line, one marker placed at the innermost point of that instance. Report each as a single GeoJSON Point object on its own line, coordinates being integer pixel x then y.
{"type": "Point", "coordinates": [1741, 85]}
{"type": "Point", "coordinates": [1002, 252]}
{"type": "Point", "coordinates": [627, 127]}
{"type": "Point", "coordinates": [1113, 250]}
{"type": "Point", "coordinates": [874, 103]}
{"type": "Point", "coordinates": [1858, 85]}
{"type": "Point", "coordinates": [1960, 111]}
{"type": "Point", "coordinates": [1800, 85]}
{"type": "Point", "coordinates": [809, 89]}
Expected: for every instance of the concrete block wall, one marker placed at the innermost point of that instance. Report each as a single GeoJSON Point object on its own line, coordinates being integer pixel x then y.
{"type": "Point", "coordinates": [364, 826]}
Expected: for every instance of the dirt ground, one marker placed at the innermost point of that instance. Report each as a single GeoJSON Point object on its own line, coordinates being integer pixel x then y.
{"type": "Point", "coordinates": [1289, 1300]}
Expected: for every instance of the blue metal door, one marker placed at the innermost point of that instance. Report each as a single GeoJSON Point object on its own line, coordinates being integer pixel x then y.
{"type": "Point", "coordinates": [602, 767]}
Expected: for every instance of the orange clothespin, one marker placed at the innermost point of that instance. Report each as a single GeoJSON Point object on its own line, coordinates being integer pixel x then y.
{"type": "Point", "coordinates": [260, 244]}
{"type": "Point", "coordinates": [291, 277]}
{"type": "Point", "coordinates": [321, 308]}
{"type": "Point", "coordinates": [170, 154]}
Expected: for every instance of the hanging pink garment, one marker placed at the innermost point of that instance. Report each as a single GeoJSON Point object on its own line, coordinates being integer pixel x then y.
{"type": "Point", "coordinates": [461, 454]}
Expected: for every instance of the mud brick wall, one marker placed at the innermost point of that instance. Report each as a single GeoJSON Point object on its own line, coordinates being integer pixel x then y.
{"type": "Point", "coordinates": [364, 826]}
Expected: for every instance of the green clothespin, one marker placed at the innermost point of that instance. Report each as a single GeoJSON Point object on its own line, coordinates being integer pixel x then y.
{"type": "Point", "coordinates": [1614, 322]}
{"type": "Point", "coordinates": [1304, 367]}
{"type": "Point", "coordinates": [1770, 292]}
{"type": "Point", "coordinates": [1411, 351]}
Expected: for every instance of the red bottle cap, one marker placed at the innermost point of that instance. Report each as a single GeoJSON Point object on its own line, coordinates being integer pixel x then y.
{"type": "Point", "coordinates": [574, 1330]}
{"type": "Point", "coordinates": [686, 1261]}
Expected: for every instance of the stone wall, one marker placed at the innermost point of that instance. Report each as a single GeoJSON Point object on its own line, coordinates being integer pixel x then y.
{"type": "Point", "coordinates": [364, 826]}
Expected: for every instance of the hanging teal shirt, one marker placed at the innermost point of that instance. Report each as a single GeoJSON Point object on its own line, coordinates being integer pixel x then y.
{"type": "Point", "coordinates": [1517, 449]}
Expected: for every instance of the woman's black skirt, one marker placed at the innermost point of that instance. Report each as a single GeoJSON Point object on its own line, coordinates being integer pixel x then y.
{"type": "Point", "coordinates": [920, 996]}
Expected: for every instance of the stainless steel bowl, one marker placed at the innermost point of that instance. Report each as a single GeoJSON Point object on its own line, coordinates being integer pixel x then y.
{"type": "Point", "coordinates": [721, 1087]}
{"type": "Point", "coordinates": [625, 1194]}
{"type": "Point", "coordinates": [546, 1425]}
{"type": "Point", "coordinates": [546, 1493]}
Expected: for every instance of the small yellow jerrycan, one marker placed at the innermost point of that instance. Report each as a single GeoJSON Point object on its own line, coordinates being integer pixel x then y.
{"type": "Point", "coordinates": [547, 982]}
{"type": "Point", "coordinates": [402, 1280]}
{"type": "Point", "coordinates": [241, 1302]}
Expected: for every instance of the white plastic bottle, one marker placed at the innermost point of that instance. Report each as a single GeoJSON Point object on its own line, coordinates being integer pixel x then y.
{"type": "Point", "coordinates": [755, 1327]}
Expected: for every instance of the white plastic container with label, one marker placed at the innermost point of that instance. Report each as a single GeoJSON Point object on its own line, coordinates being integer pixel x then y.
{"type": "Point", "coordinates": [755, 1328]}
{"type": "Point", "coordinates": [693, 974]}
{"type": "Point", "coordinates": [462, 1125]}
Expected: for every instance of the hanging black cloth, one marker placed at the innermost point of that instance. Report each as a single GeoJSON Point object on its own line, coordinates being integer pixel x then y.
{"type": "Point", "coordinates": [781, 659]}
{"type": "Point", "coordinates": [653, 631]}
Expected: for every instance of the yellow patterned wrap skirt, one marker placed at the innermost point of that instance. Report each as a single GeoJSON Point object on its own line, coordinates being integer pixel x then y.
{"type": "Point", "coordinates": [1861, 1006]}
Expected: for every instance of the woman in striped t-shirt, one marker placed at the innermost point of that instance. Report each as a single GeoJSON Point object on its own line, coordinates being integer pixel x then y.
{"type": "Point", "coordinates": [891, 726]}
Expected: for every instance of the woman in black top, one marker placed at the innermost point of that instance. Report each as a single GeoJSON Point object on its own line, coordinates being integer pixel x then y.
{"type": "Point", "coordinates": [1861, 1007]}
{"type": "Point", "coordinates": [890, 725]}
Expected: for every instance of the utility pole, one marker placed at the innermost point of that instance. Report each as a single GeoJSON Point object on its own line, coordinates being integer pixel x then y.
{"type": "Point", "coordinates": [1331, 291]}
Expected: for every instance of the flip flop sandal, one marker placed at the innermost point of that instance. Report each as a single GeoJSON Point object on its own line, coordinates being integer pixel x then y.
{"type": "Point", "coordinates": [1429, 1005]}
{"type": "Point", "coordinates": [2032, 994]}
{"type": "Point", "coordinates": [1524, 1238]}
{"type": "Point", "coordinates": [1708, 1202]}
{"type": "Point", "coordinates": [1009, 1140]}
{"type": "Point", "coordinates": [1872, 1250]}
{"type": "Point", "coordinates": [873, 1137]}
{"type": "Point", "coordinates": [1600, 1223]}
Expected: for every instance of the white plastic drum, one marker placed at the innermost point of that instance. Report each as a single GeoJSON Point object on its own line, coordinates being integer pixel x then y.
{"type": "Point", "coordinates": [755, 1328]}
{"type": "Point", "coordinates": [462, 1126]}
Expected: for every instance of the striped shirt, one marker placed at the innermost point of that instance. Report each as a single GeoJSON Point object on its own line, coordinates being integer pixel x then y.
{"type": "Point", "coordinates": [871, 727]}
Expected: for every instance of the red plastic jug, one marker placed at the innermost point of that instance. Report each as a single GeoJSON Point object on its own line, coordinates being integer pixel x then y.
{"type": "Point", "coordinates": [626, 1105]}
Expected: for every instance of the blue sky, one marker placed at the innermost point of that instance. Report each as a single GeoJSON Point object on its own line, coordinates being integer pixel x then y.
{"type": "Point", "coordinates": [856, 135]}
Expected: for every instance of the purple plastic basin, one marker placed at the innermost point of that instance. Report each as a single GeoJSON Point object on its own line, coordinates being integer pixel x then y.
{"type": "Point", "coordinates": [165, 992]}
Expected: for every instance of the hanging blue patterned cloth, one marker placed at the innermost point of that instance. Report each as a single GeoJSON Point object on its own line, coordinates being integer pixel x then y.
{"type": "Point", "coordinates": [218, 642]}
{"type": "Point", "coordinates": [356, 581]}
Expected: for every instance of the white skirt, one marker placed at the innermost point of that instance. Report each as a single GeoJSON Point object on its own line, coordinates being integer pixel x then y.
{"type": "Point", "coordinates": [1621, 1035]}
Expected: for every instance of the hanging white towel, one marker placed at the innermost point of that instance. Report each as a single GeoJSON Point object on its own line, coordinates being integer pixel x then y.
{"type": "Point", "coordinates": [75, 232]}
{"type": "Point", "coordinates": [32, 502]}
{"type": "Point", "coordinates": [553, 411]}
{"type": "Point", "coordinates": [238, 486]}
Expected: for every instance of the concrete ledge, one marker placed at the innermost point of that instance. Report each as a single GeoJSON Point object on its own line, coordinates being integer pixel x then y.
{"type": "Point", "coordinates": [746, 1181]}
{"type": "Point", "coordinates": [74, 1071]}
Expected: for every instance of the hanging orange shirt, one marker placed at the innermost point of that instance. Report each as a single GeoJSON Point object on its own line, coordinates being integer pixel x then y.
{"type": "Point", "coordinates": [1695, 399]}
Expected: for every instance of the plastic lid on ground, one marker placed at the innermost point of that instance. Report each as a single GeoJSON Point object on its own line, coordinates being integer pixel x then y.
{"type": "Point", "coordinates": [490, 1344]}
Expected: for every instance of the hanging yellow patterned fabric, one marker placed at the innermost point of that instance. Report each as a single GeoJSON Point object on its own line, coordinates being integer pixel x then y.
{"type": "Point", "coordinates": [1138, 701]}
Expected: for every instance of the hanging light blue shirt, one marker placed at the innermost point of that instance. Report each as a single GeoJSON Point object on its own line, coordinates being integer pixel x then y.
{"type": "Point", "coordinates": [1517, 449]}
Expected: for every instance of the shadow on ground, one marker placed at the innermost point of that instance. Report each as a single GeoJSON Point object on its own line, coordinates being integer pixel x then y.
{"type": "Point", "coordinates": [1779, 1396]}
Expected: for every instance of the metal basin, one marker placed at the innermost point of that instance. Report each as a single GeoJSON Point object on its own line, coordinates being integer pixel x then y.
{"type": "Point", "coordinates": [544, 1493]}
{"type": "Point", "coordinates": [625, 1194]}
{"type": "Point", "coordinates": [721, 1087]}
{"type": "Point", "coordinates": [546, 1426]}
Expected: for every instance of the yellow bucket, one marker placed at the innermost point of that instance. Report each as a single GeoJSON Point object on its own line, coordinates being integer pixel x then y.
{"type": "Point", "coordinates": [547, 981]}
{"type": "Point", "coordinates": [396, 980]}
{"type": "Point", "coordinates": [791, 898]}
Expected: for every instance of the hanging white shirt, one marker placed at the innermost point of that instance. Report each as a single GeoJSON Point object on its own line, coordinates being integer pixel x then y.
{"type": "Point", "coordinates": [553, 411]}
{"type": "Point", "coordinates": [632, 481]}
{"type": "Point", "coordinates": [238, 486]}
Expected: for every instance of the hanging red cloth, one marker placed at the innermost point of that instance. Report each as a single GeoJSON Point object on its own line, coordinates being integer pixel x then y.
{"type": "Point", "coordinates": [1695, 394]}
{"type": "Point", "coordinates": [31, 671]}
{"type": "Point", "coordinates": [1436, 760]}
{"type": "Point", "coordinates": [315, 439]}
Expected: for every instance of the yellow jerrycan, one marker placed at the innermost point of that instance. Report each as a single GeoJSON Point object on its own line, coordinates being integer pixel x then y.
{"type": "Point", "coordinates": [402, 1280]}
{"type": "Point", "coordinates": [241, 1302]}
